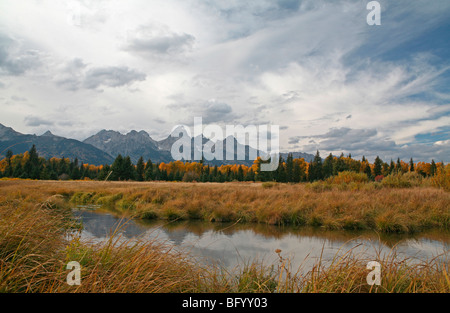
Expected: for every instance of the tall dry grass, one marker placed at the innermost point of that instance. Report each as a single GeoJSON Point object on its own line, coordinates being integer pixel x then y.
{"type": "Point", "coordinates": [38, 241]}
{"type": "Point", "coordinates": [35, 220]}
{"type": "Point", "coordinates": [30, 241]}
{"type": "Point", "coordinates": [352, 205]}
{"type": "Point", "coordinates": [35, 247]}
{"type": "Point", "coordinates": [347, 272]}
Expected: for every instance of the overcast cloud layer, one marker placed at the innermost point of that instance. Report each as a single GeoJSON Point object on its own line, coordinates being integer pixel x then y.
{"type": "Point", "coordinates": [314, 67]}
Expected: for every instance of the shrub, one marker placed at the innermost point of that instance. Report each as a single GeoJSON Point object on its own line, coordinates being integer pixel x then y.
{"type": "Point", "coordinates": [191, 177]}
{"type": "Point", "coordinates": [109, 201]}
{"type": "Point", "coordinates": [399, 180]}
{"type": "Point", "coordinates": [267, 185]}
{"type": "Point", "coordinates": [442, 178]}
{"type": "Point", "coordinates": [82, 197]}
{"type": "Point", "coordinates": [148, 215]}
{"type": "Point", "coordinates": [348, 177]}
{"type": "Point", "coordinates": [126, 204]}
{"type": "Point", "coordinates": [319, 186]}
{"type": "Point", "coordinates": [379, 178]}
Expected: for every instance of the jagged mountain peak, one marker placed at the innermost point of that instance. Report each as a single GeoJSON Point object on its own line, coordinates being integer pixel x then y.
{"type": "Point", "coordinates": [104, 146]}
{"type": "Point", "coordinates": [7, 133]}
{"type": "Point", "coordinates": [48, 134]}
{"type": "Point", "coordinates": [49, 145]}
{"type": "Point", "coordinates": [134, 144]}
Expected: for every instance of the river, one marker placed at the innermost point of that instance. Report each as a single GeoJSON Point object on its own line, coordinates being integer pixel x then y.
{"type": "Point", "coordinates": [231, 244]}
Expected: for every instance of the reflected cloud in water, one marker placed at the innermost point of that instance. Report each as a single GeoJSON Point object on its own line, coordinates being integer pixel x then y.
{"type": "Point", "coordinates": [233, 244]}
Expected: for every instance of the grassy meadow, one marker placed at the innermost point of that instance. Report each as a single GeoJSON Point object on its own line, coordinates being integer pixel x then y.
{"type": "Point", "coordinates": [35, 218]}
{"type": "Point", "coordinates": [333, 204]}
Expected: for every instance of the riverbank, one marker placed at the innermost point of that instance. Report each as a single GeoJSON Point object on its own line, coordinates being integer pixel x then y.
{"type": "Point", "coordinates": [35, 248]}
{"type": "Point", "coordinates": [365, 206]}
{"type": "Point", "coordinates": [355, 207]}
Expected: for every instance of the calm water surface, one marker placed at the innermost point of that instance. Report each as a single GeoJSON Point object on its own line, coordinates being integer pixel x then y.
{"type": "Point", "coordinates": [233, 244]}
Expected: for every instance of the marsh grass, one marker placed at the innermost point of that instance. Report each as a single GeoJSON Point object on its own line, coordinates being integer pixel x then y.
{"type": "Point", "coordinates": [350, 205]}
{"type": "Point", "coordinates": [35, 246]}
{"type": "Point", "coordinates": [347, 273]}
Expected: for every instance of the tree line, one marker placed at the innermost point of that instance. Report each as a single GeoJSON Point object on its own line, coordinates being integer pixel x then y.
{"type": "Point", "coordinates": [30, 166]}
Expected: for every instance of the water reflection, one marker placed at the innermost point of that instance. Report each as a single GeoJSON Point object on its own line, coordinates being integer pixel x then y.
{"type": "Point", "coordinates": [233, 244]}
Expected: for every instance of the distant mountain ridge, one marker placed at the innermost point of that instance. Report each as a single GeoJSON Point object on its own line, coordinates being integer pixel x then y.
{"type": "Point", "coordinates": [103, 147]}
{"type": "Point", "coordinates": [49, 145]}
{"type": "Point", "coordinates": [299, 155]}
{"type": "Point", "coordinates": [134, 144]}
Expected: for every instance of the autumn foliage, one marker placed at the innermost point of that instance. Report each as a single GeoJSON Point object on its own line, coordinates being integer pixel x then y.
{"type": "Point", "coordinates": [336, 170]}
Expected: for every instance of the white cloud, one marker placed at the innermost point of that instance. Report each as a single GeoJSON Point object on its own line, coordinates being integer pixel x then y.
{"type": "Point", "coordinates": [158, 41]}
{"type": "Point", "coordinates": [309, 66]}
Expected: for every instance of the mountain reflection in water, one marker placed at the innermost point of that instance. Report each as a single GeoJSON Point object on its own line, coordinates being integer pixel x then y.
{"type": "Point", "coordinates": [232, 244]}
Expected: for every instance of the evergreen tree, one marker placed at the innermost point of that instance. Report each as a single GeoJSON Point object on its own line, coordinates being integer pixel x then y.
{"type": "Point", "coordinates": [340, 165]}
{"type": "Point", "coordinates": [75, 172]}
{"type": "Point", "coordinates": [230, 175]}
{"type": "Point", "coordinates": [27, 168]}
{"type": "Point", "coordinates": [70, 168]}
{"type": "Point", "coordinates": [354, 165]}
{"type": "Point", "coordinates": [34, 157]}
{"type": "Point", "coordinates": [264, 175]}
{"type": "Point", "coordinates": [164, 175]}
{"type": "Point", "coordinates": [157, 173]}
{"type": "Point", "coordinates": [328, 166]}
{"type": "Point", "coordinates": [104, 172]}
{"type": "Point", "coordinates": [220, 177]}
{"type": "Point", "coordinates": [315, 168]}
{"type": "Point", "coordinates": [148, 170]}
{"type": "Point", "coordinates": [205, 177]}
{"type": "Point", "coordinates": [398, 167]}
{"type": "Point", "coordinates": [84, 171]}
{"type": "Point", "coordinates": [250, 176]}
{"type": "Point", "coordinates": [52, 166]}
{"type": "Point", "coordinates": [18, 170]}
{"type": "Point", "coordinates": [117, 168]}
{"type": "Point", "coordinates": [290, 168]}
{"type": "Point", "coordinates": [240, 174]}
{"type": "Point", "coordinates": [45, 174]}
{"type": "Point", "coordinates": [215, 172]}
{"type": "Point", "coordinates": [140, 169]}
{"type": "Point", "coordinates": [280, 172]}
{"type": "Point", "coordinates": [385, 170]}
{"type": "Point", "coordinates": [368, 170]}
{"type": "Point", "coordinates": [411, 165]}
{"type": "Point", "coordinates": [62, 167]}
{"type": "Point", "coordinates": [377, 167]}
{"type": "Point", "coordinates": [297, 173]}
{"type": "Point", "coordinates": [433, 168]}
{"type": "Point", "coordinates": [178, 176]}
{"type": "Point", "coordinates": [31, 168]}
{"type": "Point", "coordinates": [53, 175]}
{"type": "Point", "coordinates": [129, 172]}
{"type": "Point", "coordinates": [9, 169]}
{"type": "Point", "coordinates": [391, 167]}
{"type": "Point", "coordinates": [170, 176]}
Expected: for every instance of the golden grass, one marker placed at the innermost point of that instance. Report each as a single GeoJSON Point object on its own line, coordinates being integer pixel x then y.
{"type": "Point", "coordinates": [35, 247]}
{"type": "Point", "coordinates": [34, 252]}
{"type": "Point", "coordinates": [401, 210]}
{"type": "Point", "coordinates": [389, 210]}
{"type": "Point", "coordinates": [35, 219]}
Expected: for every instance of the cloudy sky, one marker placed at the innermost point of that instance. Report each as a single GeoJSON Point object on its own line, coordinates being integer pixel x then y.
{"type": "Point", "coordinates": [315, 68]}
